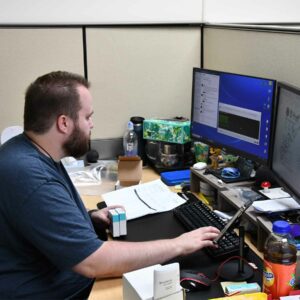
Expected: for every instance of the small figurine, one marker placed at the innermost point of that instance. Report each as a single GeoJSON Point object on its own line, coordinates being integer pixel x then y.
{"type": "Point", "coordinates": [215, 157]}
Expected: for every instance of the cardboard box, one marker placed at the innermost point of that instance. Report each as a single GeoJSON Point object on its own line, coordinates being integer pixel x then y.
{"type": "Point", "coordinates": [129, 170]}
{"type": "Point", "coordinates": [167, 130]}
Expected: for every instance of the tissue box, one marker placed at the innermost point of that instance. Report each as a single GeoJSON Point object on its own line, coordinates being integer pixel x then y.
{"type": "Point", "coordinates": [167, 130]}
{"type": "Point", "coordinates": [140, 285]}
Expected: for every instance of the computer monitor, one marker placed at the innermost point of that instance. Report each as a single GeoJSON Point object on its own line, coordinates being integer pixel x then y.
{"type": "Point", "coordinates": [286, 141]}
{"type": "Point", "coordinates": [233, 112]}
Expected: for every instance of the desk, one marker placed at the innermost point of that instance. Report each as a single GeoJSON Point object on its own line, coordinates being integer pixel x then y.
{"type": "Point", "coordinates": [111, 289]}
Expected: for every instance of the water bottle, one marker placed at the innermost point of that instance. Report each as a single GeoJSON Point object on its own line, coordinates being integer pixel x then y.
{"type": "Point", "coordinates": [280, 257]}
{"type": "Point", "coordinates": [138, 129]}
{"type": "Point", "coordinates": [130, 141]}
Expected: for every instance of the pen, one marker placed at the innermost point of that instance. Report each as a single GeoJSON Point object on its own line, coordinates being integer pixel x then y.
{"type": "Point", "coordinates": [142, 200]}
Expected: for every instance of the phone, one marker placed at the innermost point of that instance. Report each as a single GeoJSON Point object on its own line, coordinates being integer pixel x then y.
{"type": "Point", "coordinates": [233, 220]}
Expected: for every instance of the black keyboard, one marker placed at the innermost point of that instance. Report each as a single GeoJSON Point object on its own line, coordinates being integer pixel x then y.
{"type": "Point", "coordinates": [194, 214]}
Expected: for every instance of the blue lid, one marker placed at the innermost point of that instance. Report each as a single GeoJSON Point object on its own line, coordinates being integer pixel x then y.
{"type": "Point", "coordinates": [281, 227]}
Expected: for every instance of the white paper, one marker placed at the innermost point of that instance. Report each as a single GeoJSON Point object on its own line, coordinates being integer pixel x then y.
{"type": "Point", "coordinates": [156, 197]}
{"type": "Point", "coordinates": [275, 193]}
{"type": "Point", "coordinates": [275, 205]}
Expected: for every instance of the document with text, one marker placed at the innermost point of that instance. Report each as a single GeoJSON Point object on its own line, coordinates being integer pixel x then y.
{"type": "Point", "coordinates": [144, 199]}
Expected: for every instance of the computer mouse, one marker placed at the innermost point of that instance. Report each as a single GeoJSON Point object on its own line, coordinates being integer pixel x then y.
{"type": "Point", "coordinates": [193, 280]}
{"type": "Point", "coordinates": [230, 172]}
{"type": "Point", "coordinates": [200, 165]}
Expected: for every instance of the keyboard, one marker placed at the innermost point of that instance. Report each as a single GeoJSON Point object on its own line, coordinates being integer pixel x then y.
{"type": "Point", "coordinates": [194, 214]}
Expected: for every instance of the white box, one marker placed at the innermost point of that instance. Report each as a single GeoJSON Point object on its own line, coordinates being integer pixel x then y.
{"type": "Point", "coordinates": [114, 224]}
{"type": "Point", "coordinates": [122, 220]}
{"type": "Point", "coordinates": [139, 285]}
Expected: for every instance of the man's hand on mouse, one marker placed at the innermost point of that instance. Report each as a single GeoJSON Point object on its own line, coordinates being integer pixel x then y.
{"type": "Point", "coordinates": [197, 239]}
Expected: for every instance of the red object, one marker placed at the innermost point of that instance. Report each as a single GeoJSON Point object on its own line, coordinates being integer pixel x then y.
{"type": "Point", "coordinates": [296, 292]}
{"type": "Point", "coordinates": [265, 184]}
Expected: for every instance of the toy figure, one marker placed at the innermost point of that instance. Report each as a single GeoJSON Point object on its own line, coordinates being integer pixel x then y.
{"type": "Point", "coordinates": [215, 157]}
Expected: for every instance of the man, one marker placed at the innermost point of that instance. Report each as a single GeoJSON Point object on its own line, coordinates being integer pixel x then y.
{"type": "Point", "coordinates": [48, 246]}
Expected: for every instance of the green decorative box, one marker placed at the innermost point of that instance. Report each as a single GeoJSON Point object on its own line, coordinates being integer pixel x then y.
{"type": "Point", "coordinates": [167, 130]}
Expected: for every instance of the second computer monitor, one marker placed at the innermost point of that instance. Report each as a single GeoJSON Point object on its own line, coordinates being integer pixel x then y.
{"type": "Point", "coordinates": [234, 112]}
{"type": "Point", "coordinates": [286, 154]}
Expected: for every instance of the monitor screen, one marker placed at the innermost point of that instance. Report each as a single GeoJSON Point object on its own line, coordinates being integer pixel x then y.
{"type": "Point", "coordinates": [286, 142]}
{"type": "Point", "coordinates": [234, 112]}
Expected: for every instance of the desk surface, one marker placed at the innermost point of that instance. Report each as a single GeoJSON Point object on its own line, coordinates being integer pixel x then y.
{"type": "Point", "coordinates": [111, 289]}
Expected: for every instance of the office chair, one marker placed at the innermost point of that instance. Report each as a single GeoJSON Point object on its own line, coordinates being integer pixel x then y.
{"type": "Point", "coordinates": [10, 132]}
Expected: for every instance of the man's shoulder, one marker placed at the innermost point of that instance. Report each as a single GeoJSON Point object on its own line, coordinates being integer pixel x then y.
{"type": "Point", "coordinates": [21, 162]}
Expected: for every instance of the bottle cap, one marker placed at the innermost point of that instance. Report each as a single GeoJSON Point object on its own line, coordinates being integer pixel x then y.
{"type": "Point", "coordinates": [137, 120]}
{"type": "Point", "coordinates": [281, 227]}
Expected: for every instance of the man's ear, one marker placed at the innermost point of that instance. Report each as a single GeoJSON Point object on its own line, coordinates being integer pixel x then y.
{"type": "Point", "coordinates": [64, 123]}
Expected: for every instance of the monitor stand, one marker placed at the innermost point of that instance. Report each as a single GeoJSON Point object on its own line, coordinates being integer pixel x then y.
{"type": "Point", "coordinates": [236, 269]}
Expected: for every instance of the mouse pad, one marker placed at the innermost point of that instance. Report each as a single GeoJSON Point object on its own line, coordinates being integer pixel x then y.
{"type": "Point", "coordinates": [165, 225]}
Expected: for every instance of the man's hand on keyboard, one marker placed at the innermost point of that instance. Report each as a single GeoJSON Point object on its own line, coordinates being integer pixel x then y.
{"type": "Point", "coordinates": [197, 239]}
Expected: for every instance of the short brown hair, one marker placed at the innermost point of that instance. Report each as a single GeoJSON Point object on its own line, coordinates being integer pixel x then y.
{"type": "Point", "coordinates": [50, 96]}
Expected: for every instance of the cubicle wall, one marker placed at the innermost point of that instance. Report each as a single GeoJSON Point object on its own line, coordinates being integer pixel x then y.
{"type": "Point", "coordinates": [143, 70]}
{"type": "Point", "coordinates": [26, 53]}
{"type": "Point", "coordinates": [256, 52]}
{"type": "Point", "coordinates": [140, 71]}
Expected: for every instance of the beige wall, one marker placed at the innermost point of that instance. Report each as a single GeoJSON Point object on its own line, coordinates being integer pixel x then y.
{"type": "Point", "coordinates": [28, 53]}
{"type": "Point", "coordinates": [144, 71]}
{"type": "Point", "coordinates": [257, 53]}
{"type": "Point", "coordinates": [70, 12]}
{"type": "Point", "coordinates": [140, 72]}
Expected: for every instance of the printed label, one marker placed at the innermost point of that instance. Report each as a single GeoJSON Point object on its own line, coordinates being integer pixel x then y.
{"type": "Point", "coordinates": [129, 147]}
{"type": "Point", "coordinates": [278, 279]}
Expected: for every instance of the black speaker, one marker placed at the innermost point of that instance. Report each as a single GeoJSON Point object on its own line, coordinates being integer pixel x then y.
{"type": "Point", "coordinates": [263, 173]}
{"type": "Point", "coordinates": [92, 156]}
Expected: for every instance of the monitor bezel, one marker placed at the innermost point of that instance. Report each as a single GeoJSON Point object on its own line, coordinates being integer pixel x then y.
{"type": "Point", "coordinates": [226, 148]}
{"type": "Point", "coordinates": [280, 180]}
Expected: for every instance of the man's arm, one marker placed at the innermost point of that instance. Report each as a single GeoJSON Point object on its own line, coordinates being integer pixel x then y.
{"type": "Point", "coordinates": [114, 258]}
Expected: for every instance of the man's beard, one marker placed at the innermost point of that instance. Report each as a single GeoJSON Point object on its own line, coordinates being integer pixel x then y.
{"type": "Point", "coordinates": [78, 143]}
